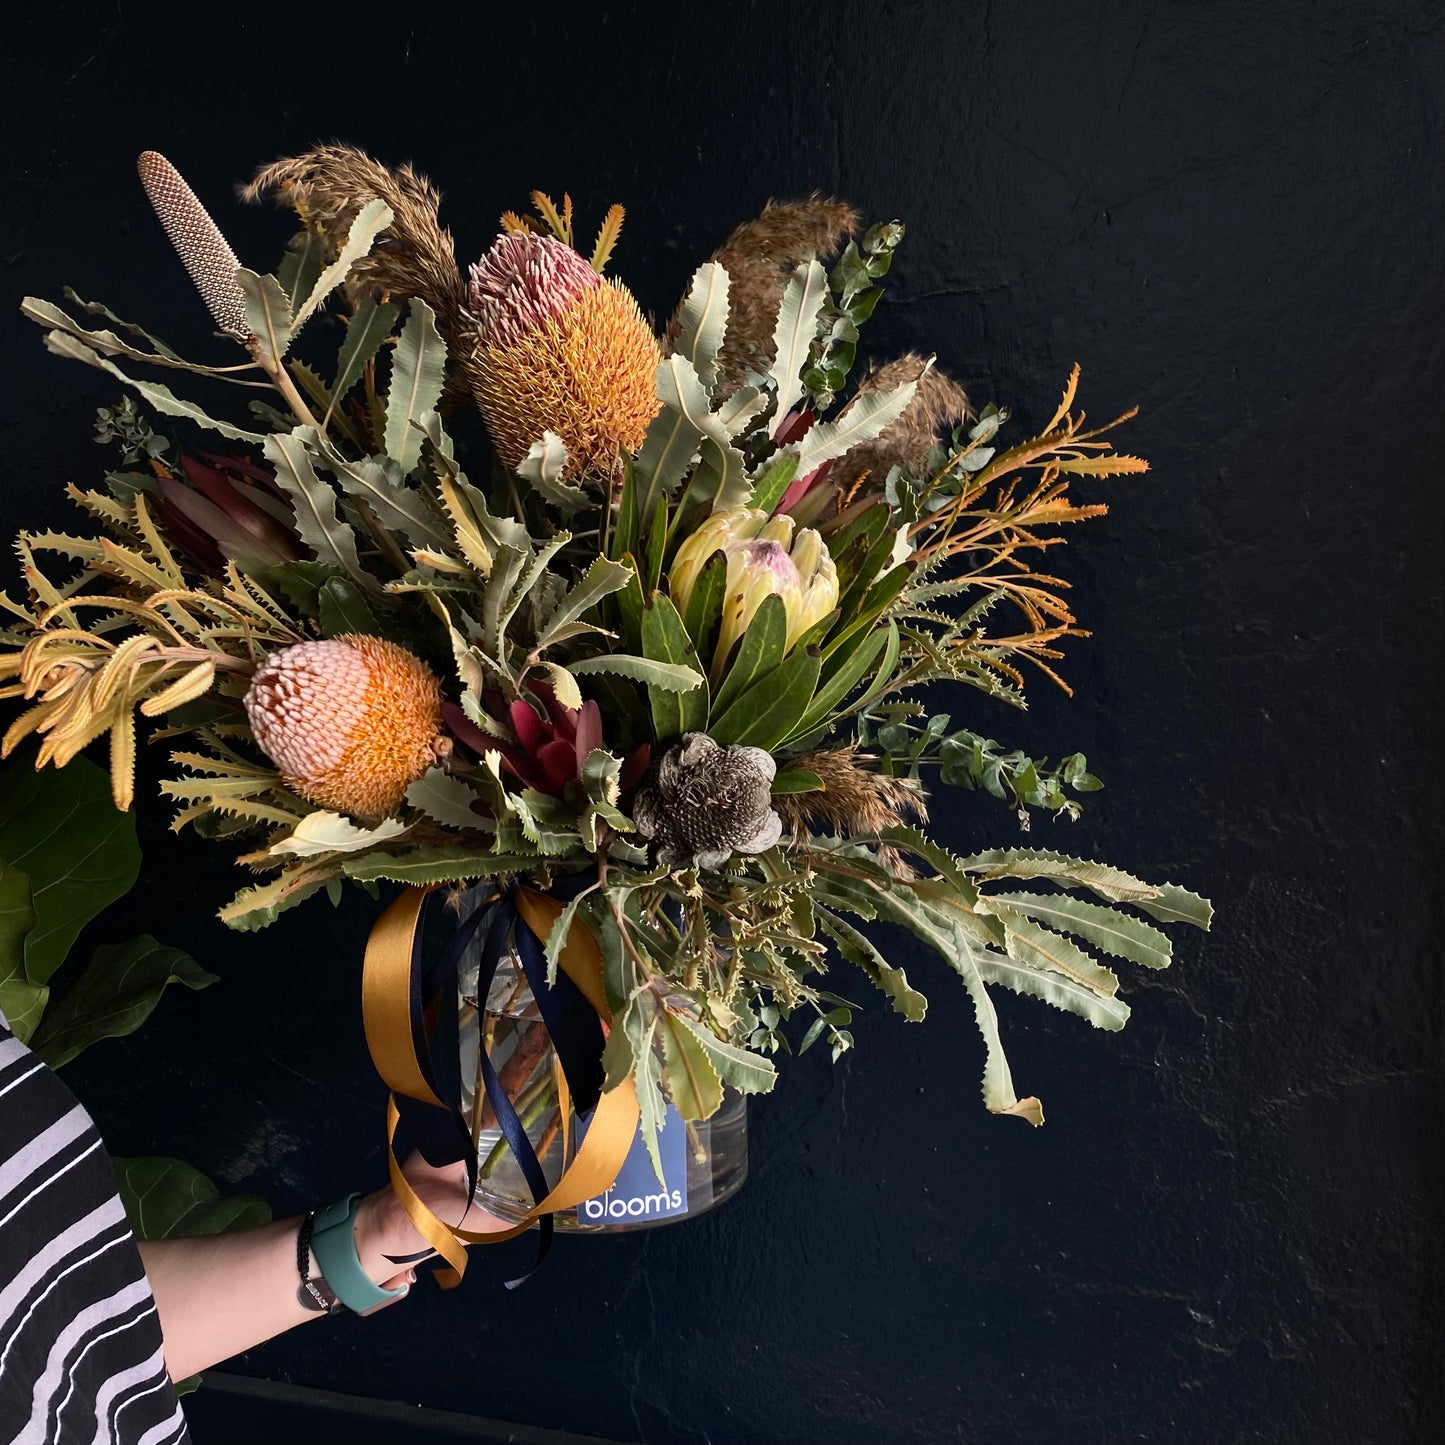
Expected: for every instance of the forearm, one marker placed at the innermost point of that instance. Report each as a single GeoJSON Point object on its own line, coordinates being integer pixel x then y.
{"type": "Point", "coordinates": [220, 1294]}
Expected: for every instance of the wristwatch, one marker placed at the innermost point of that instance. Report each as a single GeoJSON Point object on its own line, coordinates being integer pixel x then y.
{"type": "Point", "coordinates": [333, 1242]}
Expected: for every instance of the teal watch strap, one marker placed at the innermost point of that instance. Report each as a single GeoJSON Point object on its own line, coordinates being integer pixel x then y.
{"type": "Point", "coordinates": [334, 1245]}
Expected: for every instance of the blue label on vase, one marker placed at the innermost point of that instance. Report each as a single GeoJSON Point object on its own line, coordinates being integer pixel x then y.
{"type": "Point", "coordinates": [636, 1195]}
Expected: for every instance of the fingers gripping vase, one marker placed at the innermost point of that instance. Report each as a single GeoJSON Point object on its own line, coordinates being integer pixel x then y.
{"type": "Point", "coordinates": [703, 1163]}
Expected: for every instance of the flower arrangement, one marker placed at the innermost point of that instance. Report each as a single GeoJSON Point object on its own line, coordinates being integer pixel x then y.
{"type": "Point", "coordinates": [672, 641]}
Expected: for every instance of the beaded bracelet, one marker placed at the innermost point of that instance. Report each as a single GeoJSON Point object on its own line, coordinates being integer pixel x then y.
{"type": "Point", "coordinates": [315, 1294]}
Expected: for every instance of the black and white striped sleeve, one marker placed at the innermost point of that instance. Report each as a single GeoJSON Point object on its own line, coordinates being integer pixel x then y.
{"type": "Point", "coordinates": [80, 1343]}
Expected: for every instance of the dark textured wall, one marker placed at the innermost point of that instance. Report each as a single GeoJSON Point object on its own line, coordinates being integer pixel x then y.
{"type": "Point", "coordinates": [1231, 214]}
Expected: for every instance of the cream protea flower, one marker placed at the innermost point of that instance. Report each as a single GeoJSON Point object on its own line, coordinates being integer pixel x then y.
{"type": "Point", "coordinates": [351, 722]}
{"type": "Point", "coordinates": [764, 558]}
{"type": "Point", "coordinates": [705, 802]}
{"type": "Point", "coordinates": [561, 350]}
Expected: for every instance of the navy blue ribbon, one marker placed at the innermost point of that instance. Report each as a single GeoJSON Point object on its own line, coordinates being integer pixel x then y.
{"type": "Point", "coordinates": [443, 1135]}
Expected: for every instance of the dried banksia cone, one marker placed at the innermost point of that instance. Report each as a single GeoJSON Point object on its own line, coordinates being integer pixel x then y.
{"type": "Point", "coordinates": [938, 405]}
{"type": "Point", "coordinates": [706, 802]}
{"type": "Point", "coordinates": [559, 349]}
{"type": "Point", "coordinates": [351, 722]}
{"type": "Point", "coordinates": [207, 256]}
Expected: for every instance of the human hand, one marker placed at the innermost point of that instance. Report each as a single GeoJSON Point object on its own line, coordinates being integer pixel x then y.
{"type": "Point", "coordinates": [384, 1230]}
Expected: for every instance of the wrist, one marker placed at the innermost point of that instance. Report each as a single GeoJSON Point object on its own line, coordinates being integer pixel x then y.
{"type": "Point", "coordinates": [384, 1234]}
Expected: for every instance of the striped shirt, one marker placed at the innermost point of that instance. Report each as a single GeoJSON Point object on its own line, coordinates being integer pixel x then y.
{"type": "Point", "coordinates": [80, 1343]}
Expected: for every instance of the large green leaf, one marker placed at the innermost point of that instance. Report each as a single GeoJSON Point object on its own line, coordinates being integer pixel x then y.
{"type": "Point", "coordinates": [665, 639]}
{"type": "Point", "coordinates": [600, 580]}
{"type": "Point", "coordinates": [166, 1199]}
{"type": "Point", "coordinates": [769, 488]}
{"type": "Point", "coordinates": [794, 334]}
{"type": "Point", "coordinates": [760, 653]}
{"type": "Point", "coordinates": [1173, 904]}
{"type": "Point", "coordinates": [641, 669]}
{"type": "Point", "coordinates": [1106, 928]}
{"type": "Point", "coordinates": [373, 218]}
{"type": "Point", "coordinates": [59, 826]}
{"type": "Point", "coordinates": [1167, 903]}
{"type": "Point", "coordinates": [672, 440]}
{"type": "Point", "coordinates": [268, 313]}
{"type": "Point", "coordinates": [114, 996]}
{"type": "Point", "coordinates": [342, 608]}
{"type": "Point", "coordinates": [448, 800]}
{"type": "Point", "coordinates": [843, 678]}
{"type": "Point", "coordinates": [769, 710]}
{"type": "Point", "coordinates": [317, 520]}
{"type": "Point", "coordinates": [1041, 948]}
{"type": "Point", "coordinates": [1053, 988]}
{"type": "Point", "coordinates": [21, 1001]}
{"type": "Point", "coordinates": [861, 420]}
{"type": "Point", "coordinates": [300, 266]}
{"type": "Point", "coordinates": [745, 1071]}
{"type": "Point", "coordinates": [418, 366]}
{"type": "Point", "coordinates": [703, 320]}
{"type": "Point", "coordinates": [160, 397]}
{"type": "Point", "coordinates": [860, 950]}
{"type": "Point", "coordinates": [398, 507]}
{"type": "Point", "coordinates": [692, 1079]}
{"type": "Point", "coordinates": [704, 604]}
{"type": "Point", "coordinates": [365, 332]}
{"type": "Point", "coordinates": [441, 864]}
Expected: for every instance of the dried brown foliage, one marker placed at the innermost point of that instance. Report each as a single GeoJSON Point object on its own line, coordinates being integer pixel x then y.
{"type": "Point", "coordinates": [759, 257]}
{"type": "Point", "coordinates": [938, 405]}
{"type": "Point", "coordinates": [415, 255]}
{"type": "Point", "coordinates": [854, 800]}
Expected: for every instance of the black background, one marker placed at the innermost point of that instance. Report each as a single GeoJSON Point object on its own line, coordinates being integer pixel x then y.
{"type": "Point", "coordinates": [1229, 213]}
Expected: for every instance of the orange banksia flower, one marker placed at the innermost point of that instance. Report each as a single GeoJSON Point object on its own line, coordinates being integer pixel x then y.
{"type": "Point", "coordinates": [559, 349]}
{"type": "Point", "coordinates": [351, 722]}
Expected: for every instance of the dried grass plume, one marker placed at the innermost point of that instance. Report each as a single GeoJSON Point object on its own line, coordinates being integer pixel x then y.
{"type": "Point", "coordinates": [759, 257]}
{"type": "Point", "coordinates": [414, 256]}
{"type": "Point", "coordinates": [938, 405]}
{"type": "Point", "coordinates": [855, 800]}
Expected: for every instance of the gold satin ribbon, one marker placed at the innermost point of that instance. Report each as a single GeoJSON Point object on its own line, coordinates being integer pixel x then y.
{"type": "Point", "coordinates": [386, 1012]}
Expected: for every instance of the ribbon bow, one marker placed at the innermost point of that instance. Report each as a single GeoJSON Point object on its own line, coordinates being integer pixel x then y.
{"type": "Point", "coordinates": [402, 1002]}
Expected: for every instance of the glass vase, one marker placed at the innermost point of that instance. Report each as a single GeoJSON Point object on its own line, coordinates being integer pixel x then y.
{"type": "Point", "coordinates": [703, 1163]}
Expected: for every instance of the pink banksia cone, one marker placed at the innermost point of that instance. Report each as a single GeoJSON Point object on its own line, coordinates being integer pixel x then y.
{"type": "Point", "coordinates": [351, 722]}
{"type": "Point", "coordinates": [205, 252]}
{"type": "Point", "coordinates": [559, 349]}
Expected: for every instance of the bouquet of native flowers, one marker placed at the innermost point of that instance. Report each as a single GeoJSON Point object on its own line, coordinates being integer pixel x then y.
{"type": "Point", "coordinates": [640, 697]}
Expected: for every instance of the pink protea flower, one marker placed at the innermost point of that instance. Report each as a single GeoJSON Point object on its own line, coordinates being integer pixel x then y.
{"type": "Point", "coordinates": [561, 350]}
{"type": "Point", "coordinates": [351, 722]}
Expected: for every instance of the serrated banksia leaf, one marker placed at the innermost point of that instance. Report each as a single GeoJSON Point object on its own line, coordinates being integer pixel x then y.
{"type": "Point", "coordinates": [203, 250]}
{"type": "Point", "coordinates": [351, 722]}
{"type": "Point", "coordinates": [559, 349]}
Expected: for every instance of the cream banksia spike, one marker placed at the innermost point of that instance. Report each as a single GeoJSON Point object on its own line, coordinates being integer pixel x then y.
{"type": "Point", "coordinates": [764, 559]}
{"type": "Point", "coordinates": [561, 350]}
{"type": "Point", "coordinates": [208, 257]}
{"type": "Point", "coordinates": [351, 722]}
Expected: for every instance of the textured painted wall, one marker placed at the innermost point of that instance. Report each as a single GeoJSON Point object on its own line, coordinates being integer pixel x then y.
{"type": "Point", "coordinates": [1231, 214]}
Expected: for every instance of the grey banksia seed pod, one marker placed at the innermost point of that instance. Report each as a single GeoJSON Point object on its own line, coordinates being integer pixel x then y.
{"type": "Point", "coordinates": [208, 257]}
{"type": "Point", "coordinates": [706, 802]}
